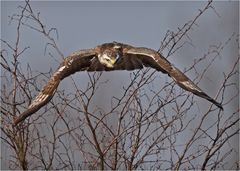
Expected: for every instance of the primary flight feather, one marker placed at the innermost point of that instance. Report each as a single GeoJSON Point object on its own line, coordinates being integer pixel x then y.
{"type": "Point", "coordinates": [109, 57]}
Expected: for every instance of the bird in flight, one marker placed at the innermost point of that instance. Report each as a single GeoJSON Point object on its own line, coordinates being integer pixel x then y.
{"type": "Point", "coordinates": [109, 57]}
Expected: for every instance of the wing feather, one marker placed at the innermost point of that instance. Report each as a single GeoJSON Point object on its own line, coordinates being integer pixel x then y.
{"type": "Point", "coordinates": [78, 61]}
{"type": "Point", "coordinates": [132, 58]}
{"type": "Point", "coordinates": [151, 58]}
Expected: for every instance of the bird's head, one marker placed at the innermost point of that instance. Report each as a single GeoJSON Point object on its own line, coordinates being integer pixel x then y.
{"type": "Point", "coordinates": [110, 53]}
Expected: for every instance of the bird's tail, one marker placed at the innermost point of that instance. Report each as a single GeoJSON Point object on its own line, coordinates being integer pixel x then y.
{"type": "Point", "coordinates": [43, 97]}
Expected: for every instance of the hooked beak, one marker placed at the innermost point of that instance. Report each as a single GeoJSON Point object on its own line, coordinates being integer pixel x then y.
{"type": "Point", "coordinates": [113, 61]}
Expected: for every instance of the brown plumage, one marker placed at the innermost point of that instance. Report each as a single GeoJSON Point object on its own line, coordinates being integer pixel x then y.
{"type": "Point", "coordinates": [108, 57]}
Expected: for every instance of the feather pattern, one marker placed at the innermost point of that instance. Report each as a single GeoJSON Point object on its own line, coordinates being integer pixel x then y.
{"type": "Point", "coordinates": [75, 62]}
{"type": "Point", "coordinates": [108, 57]}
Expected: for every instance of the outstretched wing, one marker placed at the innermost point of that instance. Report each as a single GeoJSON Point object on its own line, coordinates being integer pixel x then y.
{"type": "Point", "coordinates": [151, 58]}
{"type": "Point", "coordinates": [78, 61]}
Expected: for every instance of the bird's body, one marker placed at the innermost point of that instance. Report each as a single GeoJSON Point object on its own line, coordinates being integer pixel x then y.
{"type": "Point", "coordinates": [109, 57]}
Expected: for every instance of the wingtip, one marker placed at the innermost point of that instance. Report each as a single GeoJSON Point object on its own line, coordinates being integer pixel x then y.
{"type": "Point", "coordinates": [17, 120]}
{"type": "Point", "coordinates": [219, 105]}
{"type": "Point", "coordinates": [23, 116]}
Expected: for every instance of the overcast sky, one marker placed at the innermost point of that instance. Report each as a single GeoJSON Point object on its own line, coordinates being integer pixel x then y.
{"type": "Point", "coordinates": [86, 24]}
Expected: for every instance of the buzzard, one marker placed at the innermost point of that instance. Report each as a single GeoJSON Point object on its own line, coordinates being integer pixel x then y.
{"type": "Point", "coordinates": [109, 57]}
